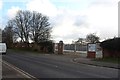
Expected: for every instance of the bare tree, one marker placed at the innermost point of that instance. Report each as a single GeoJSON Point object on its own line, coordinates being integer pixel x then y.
{"type": "Point", "coordinates": [22, 25]}
{"type": "Point", "coordinates": [31, 25]}
{"type": "Point", "coordinates": [7, 34]}
{"type": "Point", "coordinates": [40, 30]}
{"type": "Point", "coordinates": [92, 38]}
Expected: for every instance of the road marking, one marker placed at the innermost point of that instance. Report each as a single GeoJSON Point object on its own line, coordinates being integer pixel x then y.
{"type": "Point", "coordinates": [27, 75]}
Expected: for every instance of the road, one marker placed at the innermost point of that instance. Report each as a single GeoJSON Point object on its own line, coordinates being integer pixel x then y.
{"type": "Point", "coordinates": [56, 66]}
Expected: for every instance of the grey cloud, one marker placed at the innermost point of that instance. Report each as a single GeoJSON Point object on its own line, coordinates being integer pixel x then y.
{"type": "Point", "coordinates": [72, 36]}
{"type": "Point", "coordinates": [56, 20]}
{"type": "Point", "coordinates": [80, 20]}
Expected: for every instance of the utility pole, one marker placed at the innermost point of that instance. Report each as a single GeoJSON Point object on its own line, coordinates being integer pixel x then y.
{"type": "Point", "coordinates": [0, 35]}
{"type": "Point", "coordinates": [119, 19]}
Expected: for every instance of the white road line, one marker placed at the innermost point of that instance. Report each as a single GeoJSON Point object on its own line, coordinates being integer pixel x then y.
{"type": "Point", "coordinates": [27, 75]}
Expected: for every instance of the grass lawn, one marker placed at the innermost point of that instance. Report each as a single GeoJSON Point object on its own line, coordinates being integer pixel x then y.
{"type": "Point", "coordinates": [109, 59]}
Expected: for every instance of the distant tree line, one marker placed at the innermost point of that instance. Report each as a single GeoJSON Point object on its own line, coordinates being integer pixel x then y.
{"type": "Point", "coordinates": [90, 38]}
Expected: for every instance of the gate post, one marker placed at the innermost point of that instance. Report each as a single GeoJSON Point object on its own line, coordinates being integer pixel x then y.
{"type": "Point", "coordinates": [60, 47]}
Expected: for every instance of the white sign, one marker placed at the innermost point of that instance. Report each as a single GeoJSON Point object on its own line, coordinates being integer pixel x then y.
{"type": "Point", "coordinates": [92, 47]}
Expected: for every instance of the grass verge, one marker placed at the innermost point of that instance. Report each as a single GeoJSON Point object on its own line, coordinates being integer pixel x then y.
{"type": "Point", "coordinates": [109, 59]}
{"type": "Point", "coordinates": [27, 51]}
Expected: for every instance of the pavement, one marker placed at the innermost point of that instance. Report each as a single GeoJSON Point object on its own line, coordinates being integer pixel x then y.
{"type": "Point", "coordinates": [11, 72]}
{"type": "Point", "coordinates": [89, 61]}
{"type": "Point", "coordinates": [82, 58]}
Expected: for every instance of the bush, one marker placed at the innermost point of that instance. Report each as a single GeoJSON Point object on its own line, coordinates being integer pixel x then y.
{"type": "Point", "coordinates": [47, 46]}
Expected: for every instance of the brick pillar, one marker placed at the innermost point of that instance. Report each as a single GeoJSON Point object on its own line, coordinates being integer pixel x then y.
{"type": "Point", "coordinates": [91, 55]}
{"type": "Point", "coordinates": [60, 47]}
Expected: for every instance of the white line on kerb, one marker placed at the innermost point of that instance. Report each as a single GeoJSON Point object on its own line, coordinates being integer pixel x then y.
{"type": "Point", "coordinates": [27, 75]}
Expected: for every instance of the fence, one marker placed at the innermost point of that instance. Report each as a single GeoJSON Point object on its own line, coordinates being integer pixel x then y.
{"type": "Point", "coordinates": [73, 48]}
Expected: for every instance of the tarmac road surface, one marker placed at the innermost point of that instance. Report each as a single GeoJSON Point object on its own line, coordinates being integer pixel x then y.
{"type": "Point", "coordinates": [56, 66]}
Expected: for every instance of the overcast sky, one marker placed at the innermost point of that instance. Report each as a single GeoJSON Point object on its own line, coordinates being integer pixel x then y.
{"type": "Point", "coordinates": [71, 19]}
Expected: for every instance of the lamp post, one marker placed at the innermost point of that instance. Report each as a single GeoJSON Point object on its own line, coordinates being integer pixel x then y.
{"type": "Point", "coordinates": [119, 19]}
{"type": "Point", "coordinates": [0, 35]}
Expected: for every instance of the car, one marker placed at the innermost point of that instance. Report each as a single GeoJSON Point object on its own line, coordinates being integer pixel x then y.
{"type": "Point", "coordinates": [3, 48]}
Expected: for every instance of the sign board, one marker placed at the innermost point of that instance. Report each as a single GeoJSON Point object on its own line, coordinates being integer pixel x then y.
{"type": "Point", "coordinates": [91, 47]}
{"type": "Point", "coordinates": [94, 50]}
